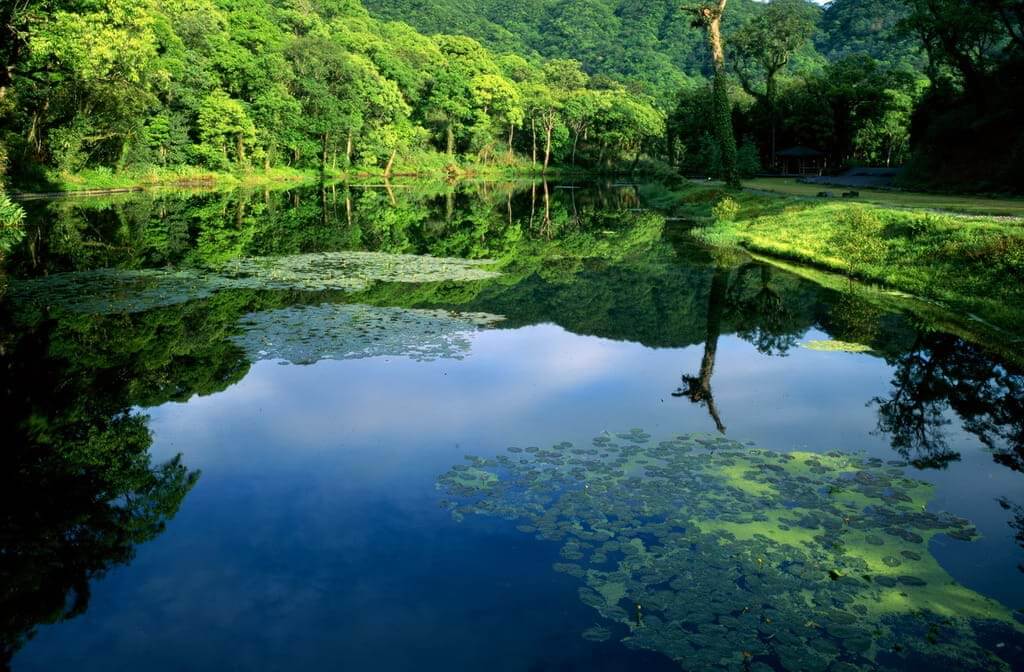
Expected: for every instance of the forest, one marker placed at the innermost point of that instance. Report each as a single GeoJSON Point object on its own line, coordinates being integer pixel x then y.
{"type": "Point", "coordinates": [109, 87]}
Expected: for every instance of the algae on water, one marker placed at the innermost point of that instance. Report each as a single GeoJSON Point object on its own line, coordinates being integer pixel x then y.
{"type": "Point", "coordinates": [115, 291]}
{"type": "Point", "coordinates": [836, 346]}
{"type": "Point", "coordinates": [307, 334]}
{"type": "Point", "coordinates": [725, 557]}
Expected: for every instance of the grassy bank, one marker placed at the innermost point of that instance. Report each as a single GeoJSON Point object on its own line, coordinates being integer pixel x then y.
{"type": "Point", "coordinates": [898, 199]}
{"type": "Point", "coordinates": [973, 265]}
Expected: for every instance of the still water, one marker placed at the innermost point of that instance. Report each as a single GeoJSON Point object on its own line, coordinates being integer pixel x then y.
{"type": "Point", "coordinates": [497, 427]}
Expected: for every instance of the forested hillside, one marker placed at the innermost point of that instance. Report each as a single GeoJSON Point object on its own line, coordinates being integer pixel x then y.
{"type": "Point", "coordinates": [112, 87]}
{"type": "Point", "coordinates": [650, 41]}
{"type": "Point", "coordinates": [257, 84]}
{"type": "Point", "coordinates": [876, 82]}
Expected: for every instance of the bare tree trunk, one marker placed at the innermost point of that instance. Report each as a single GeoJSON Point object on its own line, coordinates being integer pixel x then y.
{"type": "Point", "coordinates": [533, 140]}
{"type": "Point", "coordinates": [547, 206]}
{"type": "Point", "coordinates": [547, 147]}
{"type": "Point", "coordinates": [511, 134]}
{"type": "Point", "coordinates": [391, 162]}
{"type": "Point", "coordinates": [772, 92]}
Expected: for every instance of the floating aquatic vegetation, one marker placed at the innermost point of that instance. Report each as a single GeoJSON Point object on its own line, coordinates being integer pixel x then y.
{"type": "Point", "coordinates": [339, 270]}
{"type": "Point", "coordinates": [306, 334]}
{"type": "Point", "coordinates": [111, 291]}
{"type": "Point", "coordinates": [114, 291]}
{"type": "Point", "coordinates": [836, 346]}
{"type": "Point", "coordinates": [723, 556]}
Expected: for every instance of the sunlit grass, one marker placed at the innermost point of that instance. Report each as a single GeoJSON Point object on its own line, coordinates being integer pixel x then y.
{"type": "Point", "coordinates": [951, 202]}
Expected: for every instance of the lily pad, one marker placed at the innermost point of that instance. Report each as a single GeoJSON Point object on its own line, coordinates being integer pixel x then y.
{"type": "Point", "coordinates": [835, 346]}
{"type": "Point", "coordinates": [702, 549]}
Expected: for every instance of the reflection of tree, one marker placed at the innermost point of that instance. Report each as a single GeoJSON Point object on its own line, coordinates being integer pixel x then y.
{"type": "Point", "coordinates": [1017, 524]}
{"type": "Point", "coordinates": [914, 415]}
{"type": "Point", "coordinates": [70, 514]}
{"type": "Point", "coordinates": [759, 315]}
{"type": "Point", "coordinates": [78, 491]}
{"type": "Point", "coordinates": [853, 318]}
{"type": "Point", "coordinates": [698, 388]}
{"type": "Point", "coordinates": [940, 374]}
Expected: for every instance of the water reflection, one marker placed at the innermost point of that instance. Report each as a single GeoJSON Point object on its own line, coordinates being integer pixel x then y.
{"type": "Point", "coordinates": [590, 261]}
{"type": "Point", "coordinates": [939, 373]}
{"type": "Point", "coordinates": [78, 489]}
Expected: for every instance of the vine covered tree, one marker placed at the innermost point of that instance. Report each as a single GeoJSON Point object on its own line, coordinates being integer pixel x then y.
{"type": "Point", "coordinates": [708, 16]}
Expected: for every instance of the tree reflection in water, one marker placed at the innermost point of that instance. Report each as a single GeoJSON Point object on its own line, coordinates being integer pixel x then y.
{"type": "Point", "coordinates": [78, 491]}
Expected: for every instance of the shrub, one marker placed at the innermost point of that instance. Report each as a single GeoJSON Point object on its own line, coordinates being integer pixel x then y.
{"type": "Point", "coordinates": [725, 210]}
{"type": "Point", "coordinates": [11, 219]}
{"type": "Point", "coordinates": [859, 239]}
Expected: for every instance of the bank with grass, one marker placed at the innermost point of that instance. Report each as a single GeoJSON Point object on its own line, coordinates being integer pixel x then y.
{"type": "Point", "coordinates": [970, 264]}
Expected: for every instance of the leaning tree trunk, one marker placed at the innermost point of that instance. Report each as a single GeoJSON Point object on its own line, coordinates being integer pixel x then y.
{"type": "Point", "coordinates": [391, 163]}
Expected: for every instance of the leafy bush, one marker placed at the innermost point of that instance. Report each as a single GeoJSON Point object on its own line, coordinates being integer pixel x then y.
{"type": "Point", "coordinates": [725, 210]}
{"type": "Point", "coordinates": [11, 219]}
{"type": "Point", "coordinates": [748, 160]}
{"type": "Point", "coordinates": [859, 238]}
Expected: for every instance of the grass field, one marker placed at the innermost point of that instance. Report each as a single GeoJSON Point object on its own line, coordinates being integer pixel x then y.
{"type": "Point", "coordinates": [975, 205]}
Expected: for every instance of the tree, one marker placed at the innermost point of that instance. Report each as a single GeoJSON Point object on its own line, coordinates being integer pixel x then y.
{"type": "Point", "coordinates": [764, 46]}
{"type": "Point", "coordinates": [580, 109]}
{"type": "Point", "coordinates": [542, 108]}
{"type": "Point", "coordinates": [708, 15]}
{"type": "Point", "coordinates": [500, 100]}
{"type": "Point", "coordinates": [225, 130]}
{"type": "Point", "coordinates": [885, 140]}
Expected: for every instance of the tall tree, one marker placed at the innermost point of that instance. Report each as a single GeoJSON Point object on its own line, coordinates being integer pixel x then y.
{"type": "Point", "coordinates": [708, 15]}
{"type": "Point", "coordinates": [764, 46]}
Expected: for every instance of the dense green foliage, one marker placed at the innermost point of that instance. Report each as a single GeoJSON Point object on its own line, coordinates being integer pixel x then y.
{"type": "Point", "coordinates": [123, 85]}
{"type": "Point", "coordinates": [649, 43]}
{"type": "Point", "coordinates": [867, 82]}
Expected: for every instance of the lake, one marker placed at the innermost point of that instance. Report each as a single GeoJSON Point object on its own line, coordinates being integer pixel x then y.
{"type": "Point", "coordinates": [489, 426]}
